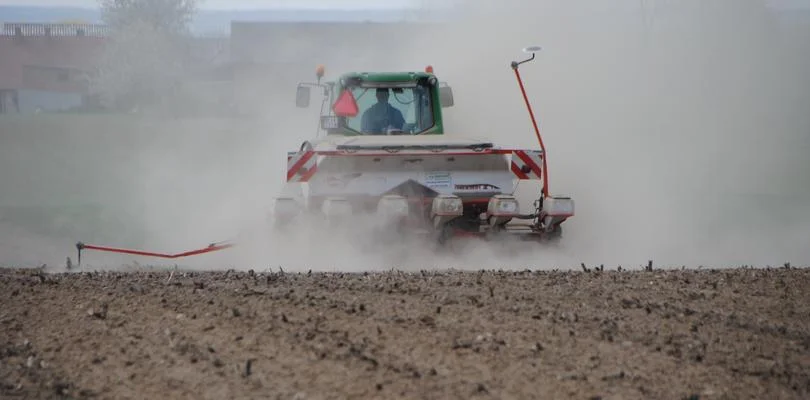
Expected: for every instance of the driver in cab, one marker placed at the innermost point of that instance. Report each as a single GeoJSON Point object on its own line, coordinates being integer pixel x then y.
{"type": "Point", "coordinates": [382, 116]}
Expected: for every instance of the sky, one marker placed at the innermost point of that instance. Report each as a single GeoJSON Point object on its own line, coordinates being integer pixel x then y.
{"type": "Point", "coordinates": [243, 4]}
{"type": "Point", "coordinates": [344, 4]}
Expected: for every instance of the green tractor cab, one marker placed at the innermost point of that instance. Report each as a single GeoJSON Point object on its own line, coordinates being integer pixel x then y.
{"type": "Point", "coordinates": [380, 103]}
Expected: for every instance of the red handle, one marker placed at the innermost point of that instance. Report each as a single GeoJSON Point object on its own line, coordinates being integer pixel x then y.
{"type": "Point", "coordinates": [211, 248]}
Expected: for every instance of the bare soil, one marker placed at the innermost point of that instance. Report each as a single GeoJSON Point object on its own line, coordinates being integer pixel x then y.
{"type": "Point", "coordinates": [706, 334]}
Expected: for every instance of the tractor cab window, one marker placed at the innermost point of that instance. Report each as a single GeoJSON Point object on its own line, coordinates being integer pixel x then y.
{"type": "Point", "coordinates": [401, 109]}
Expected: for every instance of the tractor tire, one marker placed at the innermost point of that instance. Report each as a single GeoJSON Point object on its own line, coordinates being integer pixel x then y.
{"type": "Point", "coordinates": [555, 236]}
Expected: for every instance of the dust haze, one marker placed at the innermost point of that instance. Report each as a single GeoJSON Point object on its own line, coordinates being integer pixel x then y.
{"type": "Point", "coordinates": [679, 129]}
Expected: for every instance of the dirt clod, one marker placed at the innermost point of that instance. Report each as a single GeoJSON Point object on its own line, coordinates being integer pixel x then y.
{"type": "Point", "coordinates": [248, 366]}
{"type": "Point", "coordinates": [99, 313]}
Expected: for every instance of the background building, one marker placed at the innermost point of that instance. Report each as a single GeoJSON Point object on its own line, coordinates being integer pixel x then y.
{"type": "Point", "coordinates": [46, 67]}
{"type": "Point", "coordinates": [242, 59]}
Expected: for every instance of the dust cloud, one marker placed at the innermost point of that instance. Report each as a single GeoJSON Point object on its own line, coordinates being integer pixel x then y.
{"type": "Point", "coordinates": [679, 128]}
{"type": "Point", "coordinates": [676, 126]}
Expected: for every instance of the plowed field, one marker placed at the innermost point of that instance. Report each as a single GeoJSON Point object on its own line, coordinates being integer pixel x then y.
{"type": "Point", "coordinates": [662, 334]}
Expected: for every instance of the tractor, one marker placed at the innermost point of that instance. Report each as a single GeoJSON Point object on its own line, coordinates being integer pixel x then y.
{"type": "Point", "coordinates": [381, 150]}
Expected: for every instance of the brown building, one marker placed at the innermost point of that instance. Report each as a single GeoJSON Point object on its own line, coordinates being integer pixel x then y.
{"type": "Point", "coordinates": [46, 66]}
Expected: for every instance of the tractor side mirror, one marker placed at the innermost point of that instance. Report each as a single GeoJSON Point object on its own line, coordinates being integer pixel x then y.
{"type": "Point", "coordinates": [302, 96]}
{"type": "Point", "coordinates": [445, 95]}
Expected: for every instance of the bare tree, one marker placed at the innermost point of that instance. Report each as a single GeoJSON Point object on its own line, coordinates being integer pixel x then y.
{"type": "Point", "coordinates": [144, 58]}
{"type": "Point", "coordinates": [167, 16]}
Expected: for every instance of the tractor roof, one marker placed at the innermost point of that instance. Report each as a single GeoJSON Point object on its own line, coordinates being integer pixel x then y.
{"type": "Point", "coordinates": [387, 76]}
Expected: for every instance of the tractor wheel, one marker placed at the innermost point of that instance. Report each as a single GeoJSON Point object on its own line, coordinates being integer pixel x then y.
{"type": "Point", "coordinates": [444, 235]}
{"type": "Point", "coordinates": [555, 236]}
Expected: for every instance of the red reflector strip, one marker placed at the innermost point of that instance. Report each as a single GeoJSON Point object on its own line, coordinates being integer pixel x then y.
{"type": "Point", "coordinates": [307, 175]}
{"type": "Point", "coordinates": [526, 159]}
{"type": "Point", "coordinates": [516, 170]}
{"type": "Point", "coordinates": [299, 165]}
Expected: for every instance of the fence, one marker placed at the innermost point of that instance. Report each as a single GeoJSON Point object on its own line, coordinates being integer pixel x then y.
{"type": "Point", "coordinates": [54, 30]}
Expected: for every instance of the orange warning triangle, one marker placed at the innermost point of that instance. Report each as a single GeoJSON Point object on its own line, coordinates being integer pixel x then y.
{"type": "Point", "coordinates": [345, 106]}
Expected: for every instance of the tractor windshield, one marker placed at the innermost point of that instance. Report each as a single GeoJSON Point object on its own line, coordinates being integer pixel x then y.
{"type": "Point", "coordinates": [405, 108]}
